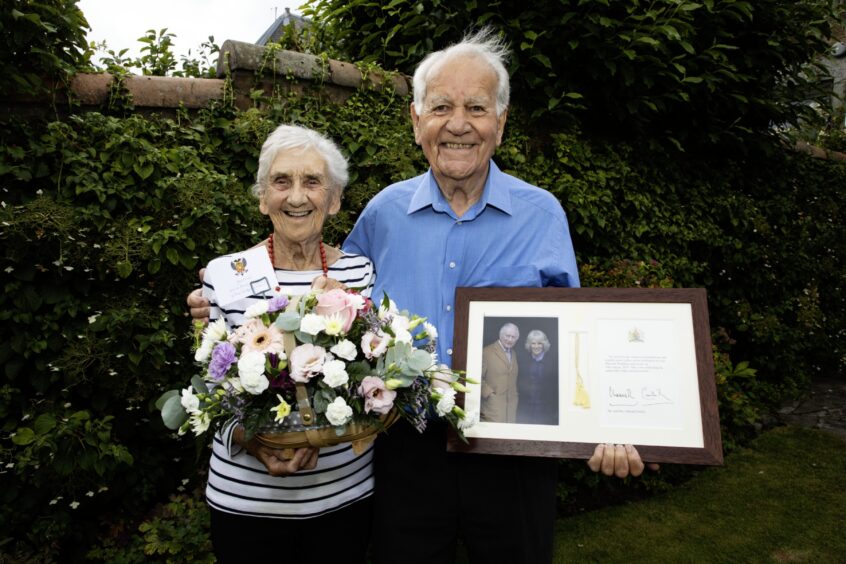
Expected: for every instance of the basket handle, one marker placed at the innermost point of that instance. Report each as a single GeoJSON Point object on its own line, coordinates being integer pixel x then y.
{"type": "Point", "coordinates": [289, 343]}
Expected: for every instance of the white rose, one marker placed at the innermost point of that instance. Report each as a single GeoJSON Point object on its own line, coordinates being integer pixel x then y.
{"type": "Point", "coordinates": [257, 309]}
{"type": "Point", "coordinates": [312, 323]}
{"type": "Point", "coordinates": [251, 372]}
{"type": "Point", "coordinates": [446, 402]}
{"type": "Point", "coordinates": [338, 412]}
{"type": "Point", "coordinates": [189, 401]}
{"type": "Point", "coordinates": [335, 373]}
{"type": "Point", "coordinates": [345, 349]}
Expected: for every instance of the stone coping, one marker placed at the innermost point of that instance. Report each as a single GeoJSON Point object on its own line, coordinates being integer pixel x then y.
{"type": "Point", "coordinates": [237, 56]}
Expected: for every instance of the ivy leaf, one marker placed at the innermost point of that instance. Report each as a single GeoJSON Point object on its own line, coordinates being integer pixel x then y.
{"type": "Point", "coordinates": [45, 423]}
{"type": "Point", "coordinates": [23, 436]}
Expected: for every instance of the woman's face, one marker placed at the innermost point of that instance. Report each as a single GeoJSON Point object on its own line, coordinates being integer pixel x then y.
{"type": "Point", "coordinates": [298, 197]}
{"type": "Point", "coordinates": [537, 347]}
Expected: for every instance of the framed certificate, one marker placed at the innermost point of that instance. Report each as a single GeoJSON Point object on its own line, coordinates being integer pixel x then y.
{"type": "Point", "coordinates": [563, 369]}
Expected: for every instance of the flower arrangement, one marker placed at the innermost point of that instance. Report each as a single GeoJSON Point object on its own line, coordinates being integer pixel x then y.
{"type": "Point", "coordinates": [324, 360]}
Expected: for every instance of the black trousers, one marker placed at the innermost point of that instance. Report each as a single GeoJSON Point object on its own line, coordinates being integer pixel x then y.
{"type": "Point", "coordinates": [502, 507]}
{"type": "Point", "coordinates": [338, 537]}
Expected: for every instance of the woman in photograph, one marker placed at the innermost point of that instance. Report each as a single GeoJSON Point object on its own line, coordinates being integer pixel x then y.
{"type": "Point", "coordinates": [537, 384]}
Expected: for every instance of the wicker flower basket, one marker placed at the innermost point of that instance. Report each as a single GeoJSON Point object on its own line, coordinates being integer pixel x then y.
{"type": "Point", "coordinates": [299, 430]}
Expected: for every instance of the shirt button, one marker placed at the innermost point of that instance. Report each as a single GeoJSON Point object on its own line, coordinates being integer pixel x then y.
{"type": "Point", "coordinates": [449, 352]}
{"type": "Point", "coordinates": [452, 264]}
{"type": "Point", "coordinates": [449, 307]}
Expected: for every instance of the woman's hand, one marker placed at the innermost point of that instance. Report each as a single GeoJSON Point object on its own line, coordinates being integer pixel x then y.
{"type": "Point", "coordinates": [618, 460]}
{"type": "Point", "coordinates": [279, 462]}
{"type": "Point", "coordinates": [199, 305]}
{"type": "Point", "coordinates": [324, 284]}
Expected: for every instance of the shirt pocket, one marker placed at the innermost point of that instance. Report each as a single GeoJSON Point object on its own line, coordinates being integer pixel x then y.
{"type": "Point", "coordinates": [509, 277]}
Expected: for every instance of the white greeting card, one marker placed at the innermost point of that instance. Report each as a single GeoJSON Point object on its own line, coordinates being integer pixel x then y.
{"type": "Point", "coordinates": [240, 275]}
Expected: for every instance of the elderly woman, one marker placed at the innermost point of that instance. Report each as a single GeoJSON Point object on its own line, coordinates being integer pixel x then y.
{"type": "Point", "coordinates": [537, 385]}
{"type": "Point", "coordinates": [316, 504]}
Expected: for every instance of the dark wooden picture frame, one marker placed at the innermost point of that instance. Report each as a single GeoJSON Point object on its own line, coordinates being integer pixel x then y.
{"type": "Point", "coordinates": [525, 440]}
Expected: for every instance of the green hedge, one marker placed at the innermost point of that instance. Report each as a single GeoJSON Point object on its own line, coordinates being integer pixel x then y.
{"type": "Point", "coordinates": [105, 219]}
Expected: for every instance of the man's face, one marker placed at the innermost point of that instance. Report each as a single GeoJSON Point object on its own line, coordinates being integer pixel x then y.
{"type": "Point", "coordinates": [458, 128]}
{"type": "Point", "coordinates": [508, 337]}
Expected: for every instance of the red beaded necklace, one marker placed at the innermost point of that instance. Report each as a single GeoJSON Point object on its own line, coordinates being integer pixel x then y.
{"type": "Point", "coordinates": [322, 255]}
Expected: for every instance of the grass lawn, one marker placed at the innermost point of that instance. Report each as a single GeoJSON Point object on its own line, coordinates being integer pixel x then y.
{"type": "Point", "coordinates": [782, 499]}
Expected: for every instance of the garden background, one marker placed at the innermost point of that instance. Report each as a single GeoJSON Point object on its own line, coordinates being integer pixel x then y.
{"type": "Point", "coordinates": [667, 129]}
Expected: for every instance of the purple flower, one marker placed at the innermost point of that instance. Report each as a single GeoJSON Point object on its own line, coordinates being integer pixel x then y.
{"type": "Point", "coordinates": [277, 303]}
{"type": "Point", "coordinates": [222, 357]}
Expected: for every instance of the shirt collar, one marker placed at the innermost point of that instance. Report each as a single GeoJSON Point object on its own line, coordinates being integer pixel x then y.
{"type": "Point", "coordinates": [495, 193]}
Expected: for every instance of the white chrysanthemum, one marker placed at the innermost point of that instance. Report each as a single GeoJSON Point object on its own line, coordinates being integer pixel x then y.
{"type": "Point", "coordinates": [256, 310]}
{"type": "Point", "coordinates": [203, 353]}
{"type": "Point", "coordinates": [215, 331]}
{"type": "Point", "coordinates": [446, 401]}
{"type": "Point", "coordinates": [200, 423]}
{"type": "Point", "coordinates": [345, 349]}
{"type": "Point", "coordinates": [251, 372]}
{"type": "Point", "coordinates": [189, 401]}
{"type": "Point", "coordinates": [312, 323]}
{"type": "Point", "coordinates": [338, 412]}
{"type": "Point", "coordinates": [430, 330]}
{"type": "Point", "coordinates": [469, 420]}
{"type": "Point", "coordinates": [334, 325]}
{"type": "Point", "coordinates": [335, 373]}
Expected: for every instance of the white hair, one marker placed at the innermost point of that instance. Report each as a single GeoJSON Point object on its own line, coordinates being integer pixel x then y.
{"type": "Point", "coordinates": [294, 137]}
{"type": "Point", "coordinates": [484, 44]}
{"type": "Point", "coordinates": [509, 326]}
{"type": "Point", "coordinates": [537, 335]}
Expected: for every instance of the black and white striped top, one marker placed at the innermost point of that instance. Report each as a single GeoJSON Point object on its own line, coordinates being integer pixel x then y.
{"type": "Point", "coordinates": [239, 483]}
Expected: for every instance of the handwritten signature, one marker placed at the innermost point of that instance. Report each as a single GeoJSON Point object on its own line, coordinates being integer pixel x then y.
{"type": "Point", "coordinates": [647, 396]}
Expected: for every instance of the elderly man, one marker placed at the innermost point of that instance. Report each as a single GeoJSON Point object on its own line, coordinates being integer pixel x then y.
{"type": "Point", "coordinates": [479, 227]}
{"type": "Point", "coordinates": [482, 228]}
{"type": "Point", "coordinates": [499, 377]}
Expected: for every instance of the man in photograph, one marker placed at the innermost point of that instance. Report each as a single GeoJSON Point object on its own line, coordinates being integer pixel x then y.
{"type": "Point", "coordinates": [499, 378]}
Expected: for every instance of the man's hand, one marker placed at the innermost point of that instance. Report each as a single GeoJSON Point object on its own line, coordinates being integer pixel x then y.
{"type": "Point", "coordinates": [199, 305]}
{"type": "Point", "coordinates": [618, 460]}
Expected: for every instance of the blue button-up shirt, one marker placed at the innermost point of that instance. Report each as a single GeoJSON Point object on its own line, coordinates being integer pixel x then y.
{"type": "Point", "coordinates": [515, 235]}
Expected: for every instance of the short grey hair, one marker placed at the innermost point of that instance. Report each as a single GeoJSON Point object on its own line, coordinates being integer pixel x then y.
{"type": "Point", "coordinates": [508, 326]}
{"type": "Point", "coordinates": [537, 335]}
{"type": "Point", "coordinates": [295, 137]}
{"type": "Point", "coordinates": [486, 45]}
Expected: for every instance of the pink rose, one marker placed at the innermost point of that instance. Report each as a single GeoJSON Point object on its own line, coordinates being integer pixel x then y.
{"type": "Point", "coordinates": [337, 302]}
{"type": "Point", "coordinates": [377, 397]}
{"type": "Point", "coordinates": [306, 361]}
